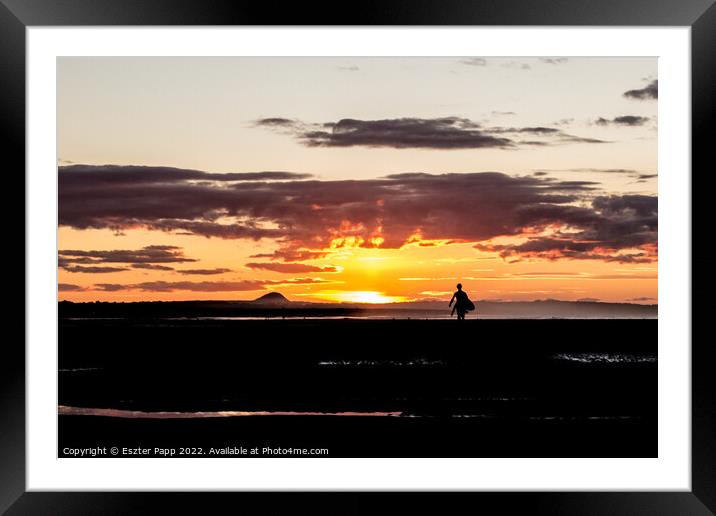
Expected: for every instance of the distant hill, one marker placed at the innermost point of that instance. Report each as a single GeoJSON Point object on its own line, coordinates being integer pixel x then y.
{"type": "Point", "coordinates": [272, 298]}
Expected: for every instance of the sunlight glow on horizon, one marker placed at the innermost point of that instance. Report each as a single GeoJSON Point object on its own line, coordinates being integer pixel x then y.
{"type": "Point", "coordinates": [357, 296]}
{"type": "Point", "coordinates": [368, 275]}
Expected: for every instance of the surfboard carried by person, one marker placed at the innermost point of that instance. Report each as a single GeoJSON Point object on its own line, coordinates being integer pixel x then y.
{"type": "Point", "coordinates": [462, 303]}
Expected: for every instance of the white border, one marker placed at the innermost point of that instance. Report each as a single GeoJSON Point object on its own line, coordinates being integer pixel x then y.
{"type": "Point", "coordinates": [671, 471]}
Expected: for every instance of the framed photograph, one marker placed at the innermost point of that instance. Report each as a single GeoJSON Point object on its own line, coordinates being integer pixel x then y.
{"type": "Point", "coordinates": [423, 247]}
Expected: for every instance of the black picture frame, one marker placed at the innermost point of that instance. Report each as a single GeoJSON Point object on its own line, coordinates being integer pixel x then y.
{"type": "Point", "coordinates": [17, 15]}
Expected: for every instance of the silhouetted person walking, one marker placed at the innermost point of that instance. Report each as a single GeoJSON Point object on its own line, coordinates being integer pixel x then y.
{"type": "Point", "coordinates": [462, 303]}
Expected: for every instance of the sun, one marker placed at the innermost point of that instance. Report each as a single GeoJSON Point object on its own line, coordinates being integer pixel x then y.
{"type": "Point", "coordinates": [358, 296]}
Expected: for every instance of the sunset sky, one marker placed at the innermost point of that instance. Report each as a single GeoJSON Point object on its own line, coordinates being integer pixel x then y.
{"type": "Point", "coordinates": [357, 179]}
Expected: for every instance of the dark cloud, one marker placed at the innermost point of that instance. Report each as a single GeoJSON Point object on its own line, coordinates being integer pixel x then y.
{"type": "Point", "coordinates": [631, 120]}
{"type": "Point", "coordinates": [152, 266]}
{"type": "Point", "coordinates": [532, 130]}
{"type": "Point", "coordinates": [68, 287]}
{"type": "Point", "coordinates": [203, 286]}
{"type": "Point", "coordinates": [639, 176]}
{"type": "Point", "coordinates": [292, 255]}
{"type": "Point", "coordinates": [643, 178]}
{"type": "Point", "coordinates": [290, 268]}
{"type": "Point", "coordinates": [615, 229]}
{"type": "Point", "coordinates": [68, 261]}
{"type": "Point", "coordinates": [404, 133]}
{"type": "Point", "coordinates": [568, 138]}
{"type": "Point", "coordinates": [111, 175]}
{"type": "Point", "coordinates": [628, 120]}
{"type": "Point", "coordinates": [295, 281]}
{"type": "Point", "coordinates": [108, 287]}
{"type": "Point", "coordinates": [550, 135]}
{"type": "Point", "coordinates": [309, 219]}
{"type": "Point", "coordinates": [211, 228]}
{"type": "Point", "coordinates": [93, 270]}
{"type": "Point", "coordinates": [627, 171]}
{"type": "Point", "coordinates": [74, 260]}
{"type": "Point", "coordinates": [276, 122]}
{"type": "Point", "coordinates": [204, 272]}
{"type": "Point", "coordinates": [651, 91]}
{"type": "Point", "coordinates": [349, 68]}
{"type": "Point", "coordinates": [447, 133]}
{"type": "Point", "coordinates": [193, 286]}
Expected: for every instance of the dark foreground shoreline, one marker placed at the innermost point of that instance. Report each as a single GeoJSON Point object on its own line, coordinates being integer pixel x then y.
{"type": "Point", "coordinates": [361, 437]}
{"type": "Point", "coordinates": [481, 388]}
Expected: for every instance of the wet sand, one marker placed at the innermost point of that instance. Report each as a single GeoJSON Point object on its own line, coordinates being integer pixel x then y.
{"type": "Point", "coordinates": [481, 388]}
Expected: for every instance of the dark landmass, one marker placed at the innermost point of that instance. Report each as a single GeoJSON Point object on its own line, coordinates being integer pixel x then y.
{"type": "Point", "coordinates": [476, 388]}
{"type": "Point", "coordinates": [275, 304]}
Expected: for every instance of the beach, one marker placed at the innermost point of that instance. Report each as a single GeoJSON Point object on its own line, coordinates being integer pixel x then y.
{"type": "Point", "coordinates": [392, 388]}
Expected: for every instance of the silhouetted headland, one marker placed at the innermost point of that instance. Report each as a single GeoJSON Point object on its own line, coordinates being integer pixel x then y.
{"type": "Point", "coordinates": [275, 304]}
